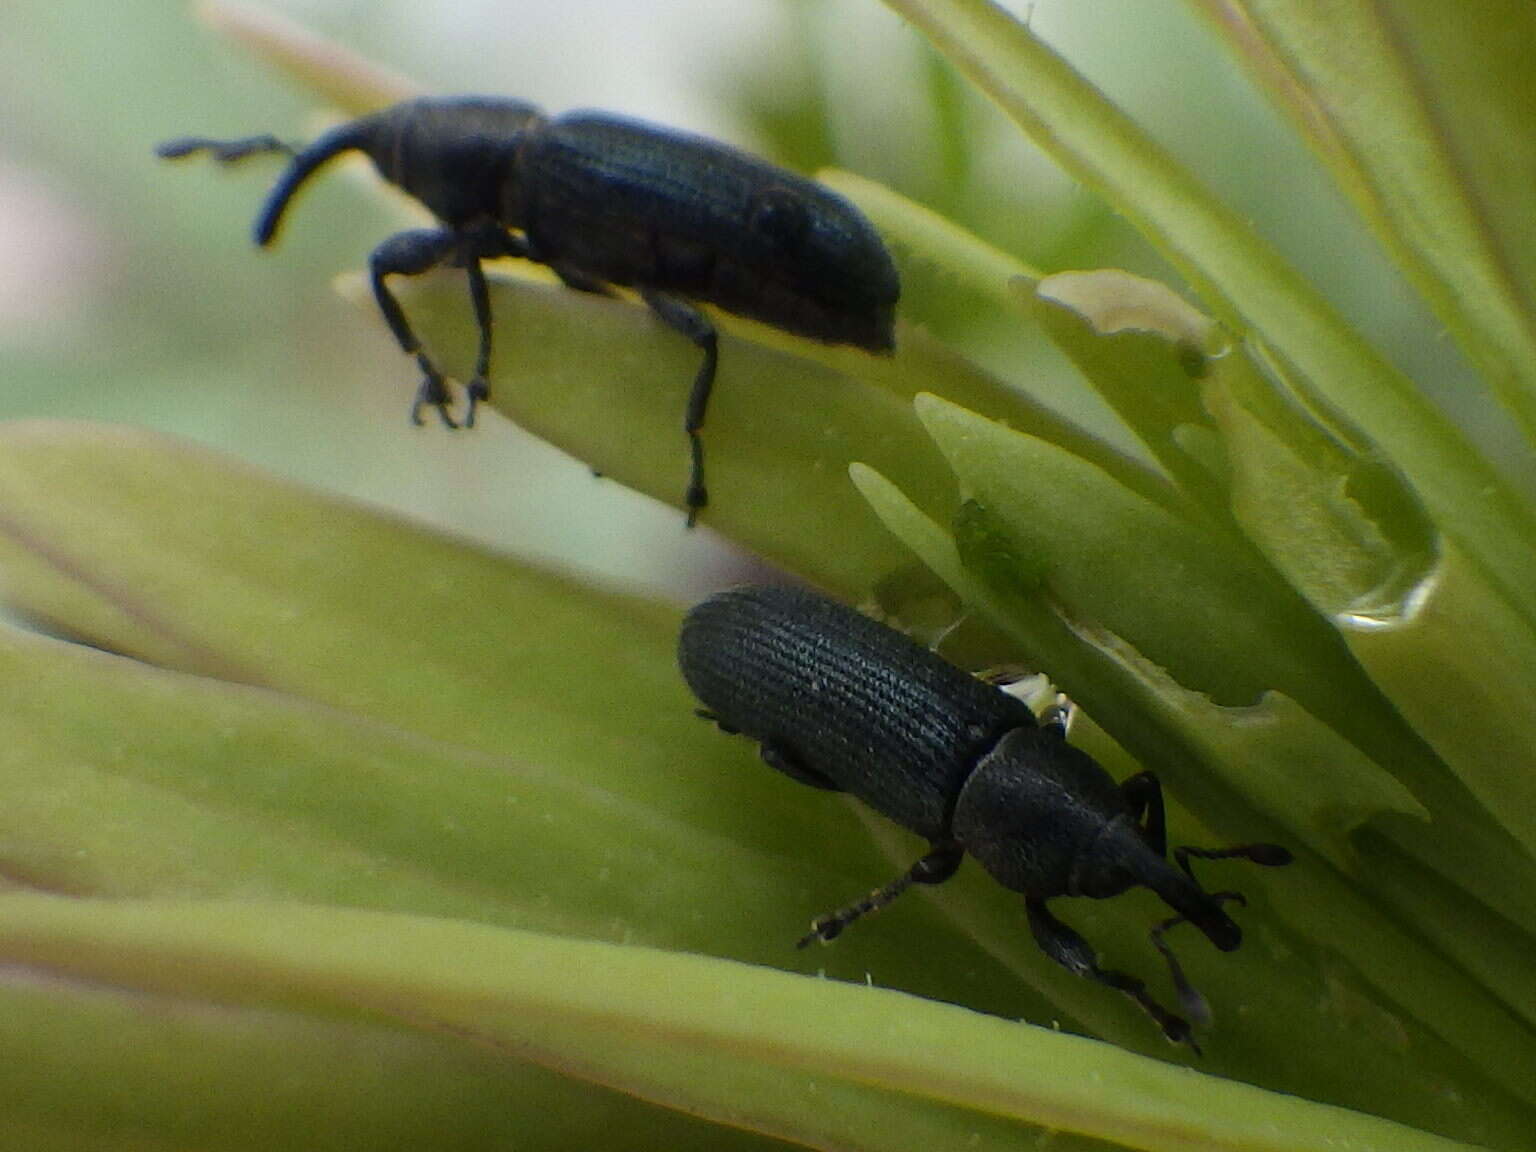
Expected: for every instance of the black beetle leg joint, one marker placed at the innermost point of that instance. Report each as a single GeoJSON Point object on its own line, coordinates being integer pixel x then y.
{"type": "Point", "coordinates": [1191, 1001]}
{"type": "Point", "coordinates": [824, 929]}
{"type": "Point", "coordinates": [1059, 714]}
{"type": "Point", "coordinates": [1268, 855]}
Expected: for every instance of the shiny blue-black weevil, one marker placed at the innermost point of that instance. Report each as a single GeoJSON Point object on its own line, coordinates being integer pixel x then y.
{"type": "Point", "coordinates": [839, 701]}
{"type": "Point", "coordinates": [602, 201]}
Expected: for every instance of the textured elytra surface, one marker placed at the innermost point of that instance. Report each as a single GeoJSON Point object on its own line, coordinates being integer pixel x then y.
{"type": "Point", "coordinates": [633, 203]}
{"type": "Point", "coordinates": [846, 697]}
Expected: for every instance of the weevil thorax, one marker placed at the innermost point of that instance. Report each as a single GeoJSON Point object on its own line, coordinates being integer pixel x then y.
{"type": "Point", "coordinates": [457, 155]}
{"type": "Point", "coordinates": [1034, 811]}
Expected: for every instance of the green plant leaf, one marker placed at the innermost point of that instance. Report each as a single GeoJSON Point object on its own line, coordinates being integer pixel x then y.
{"type": "Point", "coordinates": [1144, 350]}
{"type": "Point", "coordinates": [1071, 521]}
{"type": "Point", "coordinates": [122, 1069]}
{"type": "Point", "coordinates": [1064, 524]}
{"type": "Point", "coordinates": [151, 547]}
{"type": "Point", "coordinates": [928, 236]}
{"type": "Point", "coordinates": [1443, 646]}
{"type": "Point", "coordinates": [1229, 763]}
{"type": "Point", "coordinates": [334, 75]}
{"type": "Point", "coordinates": [1421, 113]}
{"type": "Point", "coordinates": [751, 1048]}
{"type": "Point", "coordinates": [1245, 283]}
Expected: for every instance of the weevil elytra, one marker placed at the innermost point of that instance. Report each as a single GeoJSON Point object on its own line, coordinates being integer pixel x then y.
{"type": "Point", "coordinates": [842, 702]}
{"type": "Point", "coordinates": [603, 201]}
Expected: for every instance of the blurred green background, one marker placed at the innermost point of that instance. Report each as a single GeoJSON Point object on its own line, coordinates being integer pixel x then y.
{"type": "Point", "coordinates": [130, 291]}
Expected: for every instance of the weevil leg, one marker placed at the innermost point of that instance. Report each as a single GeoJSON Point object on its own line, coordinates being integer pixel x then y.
{"type": "Point", "coordinates": [1058, 714]}
{"type": "Point", "coordinates": [580, 281]}
{"type": "Point", "coordinates": [479, 388]}
{"type": "Point", "coordinates": [484, 244]}
{"type": "Point", "coordinates": [779, 756]}
{"type": "Point", "coordinates": [410, 254]}
{"type": "Point", "coordinates": [1073, 953]}
{"type": "Point", "coordinates": [224, 151]}
{"type": "Point", "coordinates": [1265, 855]}
{"type": "Point", "coordinates": [1190, 999]}
{"type": "Point", "coordinates": [999, 675]}
{"type": "Point", "coordinates": [1144, 797]}
{"type": "Point", "coordinates": [688, 320]}
{"type": "Point", "coordinates": [935, 868]}
{"type": "Point", "coordinates": [706, 714]}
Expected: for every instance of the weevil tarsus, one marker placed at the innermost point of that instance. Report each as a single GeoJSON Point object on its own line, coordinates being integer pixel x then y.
{"type": "Point", "coordinates": [1065, 946]}
{"type": "Point", "coordinates": [934, 868]}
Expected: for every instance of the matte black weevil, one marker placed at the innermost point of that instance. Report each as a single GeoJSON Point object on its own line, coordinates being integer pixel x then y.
{"type": "Point", "coordinates": [842, 702]}
{"type": "Point", "coordinates": [602, 201]}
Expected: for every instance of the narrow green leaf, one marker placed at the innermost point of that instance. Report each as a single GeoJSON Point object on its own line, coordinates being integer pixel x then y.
{"type": "Point", "coordinates": [1144, 350]}
{"type": "Point", "coordinates": [563, 356]}
{"type": "Point", "coordinates": [1062, 527]}
{"type": "Point", "coordinates": [1444, 647]}
{"type": "Point", "coordinates": [626, 1025]}
{"type": "Point", "coordinates": [1244, 281]}
{"type": "Point", "coordinates": [1455, 661]}
{"type": "Point", "coordinates": [910, 227]}
{"type": "Point", "coordinates": [546, 705]}
{"type": "Point", "coordinates": [85, 1065]}
{"type": "Point", "coordinates": [782, 407]}
{"type": "Point", "coordinates": [1279, 752]}
{"type": "Point", "coordinates": [126, 780]}
{"type": "Point", "coordinates": [336, 76]}
{"type": "Point", "coordinates": [1072, 522]}
{"type": "Point", "coordinates": [1422, 113]}
{"type": "Point", "coordinates": [1237, 767]}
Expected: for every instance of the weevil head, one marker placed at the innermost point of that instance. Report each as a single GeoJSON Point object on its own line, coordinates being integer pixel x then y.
{"type": "Point", "coordinates": [1045, 819]}
{"type": "Point", "coordinates": [458, 155]}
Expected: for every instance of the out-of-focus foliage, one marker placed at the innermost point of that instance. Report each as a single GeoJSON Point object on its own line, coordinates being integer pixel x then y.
{"type": "Point", "coordinates": [340, 832]}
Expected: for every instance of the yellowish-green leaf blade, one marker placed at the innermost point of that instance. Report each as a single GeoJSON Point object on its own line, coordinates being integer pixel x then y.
{"type": "Point", "coordinates": [1246, 283]}
{"type": "Point", "coordinates": [1280, 753]}
{"type": "Point", "coordinates": [1144, 350]}
{"type": "Point", "coordinates": [1145, 703]}
{"type": "Point", "coordinates": [1073, 523]}
{"type": "Point", "coordinates": [910, 227]}
{"type": "Point", "coordinates": [513, 990]}
{"type": "Point", "coordinates": [547, 706]}
{"type": "Point", "coordinates": [336, 75]}
{"type": "Point", "coordinates": [126, 780]}
{"type": "Point", "coordinates": [1444, 647]}
{"type": "Point", "coordinates": [121, 1069]}
{"type": "Point", "coordinates": [1422, 112]}
{"type": "Point", "coordinates": [786, 417]}
{"type": "Point", "coordinates": [1455, 663]}
{"type": "Point", "coordinates": [1066, 526]}
{"type": "Point", "coordinates": [604, 380]}
{"type": "Point", "coordinates": [1495, 951]}
{"type": "Point", "coordinates": [1233, 763]}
